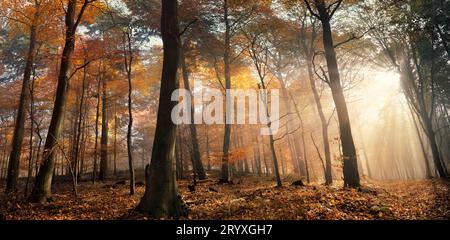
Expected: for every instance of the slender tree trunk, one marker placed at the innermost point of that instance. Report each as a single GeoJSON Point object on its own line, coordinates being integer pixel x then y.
{"type": "Point", "coordinates": [97, 116]}
{"type": "Point", "coordinates": [193, 130]}
{"type": "Point", "coordinates": [42, 187]}
{"type": "Point", "coordinates": [128, 63]}
{"type": "Point", "coordinates": [14, 158]}
{"type": "Point", "coordinates": [79, 126]}
{"type": "Point", "coordinates": [351, 175]}
{"type": "Point", "coordinates": [161, 195]}
{"type": "Point", "coordinates": [32, 120]}
{"type": "Point", "coordinates": [426, 121]}
{"type": "Point", "coordinates": [224, 176]}
{"type": "Point", "coordinates": [179, 155]}
{"type": "Point", "coordinates": [103, 174]}
{"type": "Point", "coordinates": [293, 144]}
{"type": "Point", "coordinates": [115, 140]}
{"type": "Point", "coordinates": [84, 136]}
{"type": "Point", "coordinates": [208, 159]}
{"type": "Point", "coordinates": [271, 139]}
{"type": "Point", "coordinates": [324, 124]}
{"type": "Point", "coordinates": [422, 147]}
{"type": "Point", "coordinates": [256, 150]}
{"type": "Point", "coordinates": [241, 144]}
{"type": "Point", "coordinates": [275, 160]}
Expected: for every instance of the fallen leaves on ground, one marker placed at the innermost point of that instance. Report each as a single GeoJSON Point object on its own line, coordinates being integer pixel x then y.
{"type": "Point", "coordinates": [250, 199]}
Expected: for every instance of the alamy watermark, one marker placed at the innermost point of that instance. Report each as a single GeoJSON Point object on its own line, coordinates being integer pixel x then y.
{"type": "Point", "coordinates": [207, 106]}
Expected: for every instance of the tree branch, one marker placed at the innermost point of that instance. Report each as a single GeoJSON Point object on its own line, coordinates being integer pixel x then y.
{"type": "Point", "coordinates": [187, 26]}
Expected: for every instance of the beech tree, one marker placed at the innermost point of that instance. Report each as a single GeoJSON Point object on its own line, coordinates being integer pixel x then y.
{"type": "Point", "coordinates": [324, 12]}
{"type": "Point", "coordinates": [42, 188]}
{"type": "Point", "coordinates": [161, 195]}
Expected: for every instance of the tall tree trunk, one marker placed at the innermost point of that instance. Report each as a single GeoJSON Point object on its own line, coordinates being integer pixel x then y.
{"type": "Point", "coordinates": [426, 122]}
{"type": "Point", "coordinates": [161, 195]}
{"type": "Point", "coordinates": [271, 139]}
{"type": "Point", "coordinates": [257, 154]}
{"type": "Point", "coordinates": [241, 144]}
{"type": "Point", "coordinates": [128, 62]}
{"type": "Point", "coordinates": [14, 157]}
{"type": "Point", "coordinates": [422, 146]}
{"type": "Point", "coordinates": [434, 146]}
{"type": "Point", "coordinates": [42, 187]}
{"type": "Point", "coordinates": [323, 121]}
{"type": "Point", "coordinates": [208, 159]}
{"type": "Point", "coordinates": [351, 175]}
{"type": "Point", "coordinates": [79, 126]}
{"type": "Point", "coordinates": [178, 159]}
{"type": "Point", "coordinates": [193, 130]}
{"type": "Point", "coordinates": [275, 160]}
{"type": "Point", "coordinates": [224, 175]}
{"type": "Point", "coordinates": [115, 140]}
{"type": "Point", "coordinates": [97, 116]}
{"type": "Point", "coordinates": [103, 173]}
{"type": "Point", "coordinates": [293, 143]}
{"type": "Point", "coordinates": [84, 136]}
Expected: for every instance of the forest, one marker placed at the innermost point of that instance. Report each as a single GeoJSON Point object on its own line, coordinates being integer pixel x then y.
{"type": "Point", "coordinates": [224, 109]}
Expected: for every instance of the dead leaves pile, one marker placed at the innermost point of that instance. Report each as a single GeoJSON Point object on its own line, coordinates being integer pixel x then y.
{"type": "Point", "coordinates": [250, 199]}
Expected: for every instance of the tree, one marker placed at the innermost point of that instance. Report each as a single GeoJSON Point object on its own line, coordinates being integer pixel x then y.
{"type": "Point", "coordinates": [193, 130]}
{"type": "Point", "coordinates": [128, 61]}
{"type": "Point", "coordinates": [161, 195]}
{"type": "Point", "coordinates": [42, 188]}
{"type": "Point", "coordinates": [14, 158]}
{"type": "Point", "coordinates": [325, 12]}
{"type": "Point", "coordinates": [104, 168]}
{"type": "Point", "coordinates": [258, 52]}
{"type": "Point", "coordinates": [307, 49]}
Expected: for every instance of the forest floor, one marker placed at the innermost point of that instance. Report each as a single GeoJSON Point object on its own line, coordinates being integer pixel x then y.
{"type": "Point", "coordinates": [249, 198]}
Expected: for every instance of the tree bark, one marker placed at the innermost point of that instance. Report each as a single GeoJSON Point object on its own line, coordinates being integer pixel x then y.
{"type": "Point", "coordinates": [161, 195]}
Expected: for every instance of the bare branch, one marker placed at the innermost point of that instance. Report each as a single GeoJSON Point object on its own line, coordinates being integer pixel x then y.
{"type": "Point", "coordinates": [338, 4]}
{"type": "Point", "coordinates": [308, 5]}
{"type": "Point", "coordinates": [187, 26]}
{"type": "Point", "coordinates": [288, 133]}
{"type": "Point", "coordinates": [353, 37]}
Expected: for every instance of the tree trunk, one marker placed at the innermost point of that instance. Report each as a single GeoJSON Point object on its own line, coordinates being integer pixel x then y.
{"type": "Point", "coordinates": [224, 175]}
{"type": "Point", "coordinates": [79, 126]}
{"type": "Point", "coordinates": [128, 62]}
{"type": "Point", "coordinates": [351, 175]}
{"type": "Point", "coordinates": [14, 158]}
{"type": "Point", "coordinates": [207, 148]}
{"type": "Point", "coordinates": [115, 140]}
{"type": "Point", "coordinates": [161, 195]}
{"type": "Point", "coordinates": [193, 130]}
{"type": "Point", "coordinates": [178, 159]}
{"type": "Point", "coordinates": [293, 143]}
{"type": "Point", "coordinates": [42, 188]}
{"type": "Point", "coordinates": [103, 173]}
{"type": "Point", "coordinates": [324, 124]}
{"type": "Point", "coordinates": [97, 116]}
{"type": "Point", "coordinates": [275, 160]}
